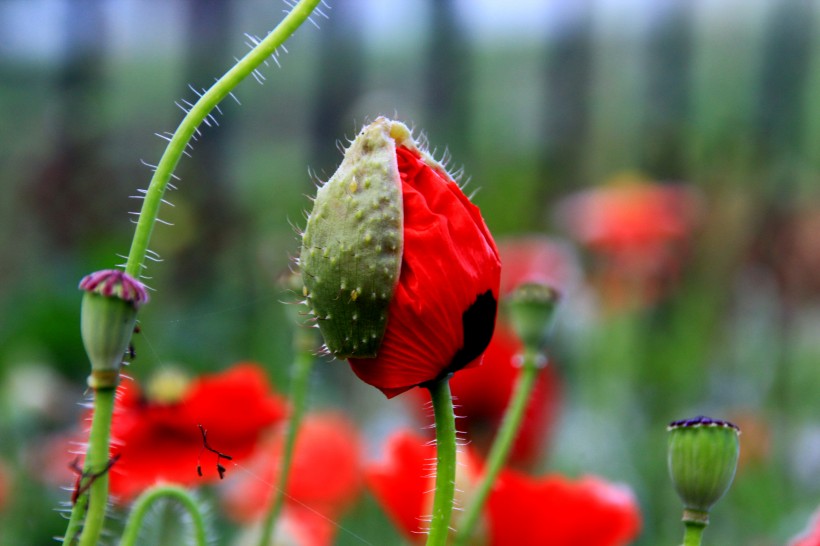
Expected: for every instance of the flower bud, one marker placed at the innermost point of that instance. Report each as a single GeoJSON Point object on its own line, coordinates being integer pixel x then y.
{"type": "Point", "coordinates": [399, 268]}
{"type": "Point", "coordinates": [531, 309]}
{"type": "Point", "coordinates": [703, 455]}
{"type": "Point", "coordinates": [109, 313]}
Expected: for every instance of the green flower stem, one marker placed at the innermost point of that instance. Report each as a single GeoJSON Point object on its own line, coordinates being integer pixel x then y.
{"type": "Point", "coordinates": [88, 513]}
{"type": "Point", "coordinates": [304, 341]}
{"type": "Point", "coordinates": [501, 445]}
{"type": "Point", "coordinates": [445, 462]}
{"type": "Point", "coordinates": [195, 116]}
{"type": "Point", "coordinates": [170, 492]}
{"type": "Point", "coordinates": [693, 533]}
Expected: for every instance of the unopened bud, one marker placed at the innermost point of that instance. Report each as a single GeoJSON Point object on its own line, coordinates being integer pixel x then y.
{"type": "Point", "coordinates": [702, 460]}
{"type": "Point", "coordinates": [109, 314]}
{"type": "Point", "coordinates": [531, 309]}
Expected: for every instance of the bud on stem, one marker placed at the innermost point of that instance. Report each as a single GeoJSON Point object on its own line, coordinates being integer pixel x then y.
{"type": "Point", "coordinates": [109, 314]}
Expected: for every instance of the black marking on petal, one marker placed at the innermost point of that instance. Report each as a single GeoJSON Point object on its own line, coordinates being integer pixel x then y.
{"type": "Point", "coordinates": [478, 323]}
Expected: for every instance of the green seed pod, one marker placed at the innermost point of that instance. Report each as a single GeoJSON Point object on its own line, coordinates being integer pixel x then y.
{"type": "Point", "coordinates": [702, 461]}
{"type": "Point", "coordinates": [109, 314]}
{"type": "Point", "coordinates": [352, 245]}
{"type": "Point", "coordinates": [532, 312]}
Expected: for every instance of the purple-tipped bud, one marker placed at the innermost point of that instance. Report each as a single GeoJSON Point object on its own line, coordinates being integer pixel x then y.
{"type": "Point", "coordinates": [117, 284]}
{"type": "Point", "coordinates": [109, 314]}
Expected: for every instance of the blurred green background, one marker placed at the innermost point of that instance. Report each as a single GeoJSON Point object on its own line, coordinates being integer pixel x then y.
{"type": "Point", "coordinates": [535, 101]}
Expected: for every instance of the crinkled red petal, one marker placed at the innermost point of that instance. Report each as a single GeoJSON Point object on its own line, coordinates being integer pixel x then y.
{"type": "Point", "coordinates": [449, 262]}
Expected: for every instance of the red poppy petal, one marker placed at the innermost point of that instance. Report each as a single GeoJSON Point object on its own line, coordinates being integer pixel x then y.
{"type": "Point", "coordinates": [443, 310]}
{"type": "Point", "coordinates": [397, 482]}
{"type": "Point", "coordinates": [561, 512]}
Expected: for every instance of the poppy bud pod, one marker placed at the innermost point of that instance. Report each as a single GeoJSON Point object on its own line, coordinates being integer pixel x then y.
{"type": "Point", "coordinates": [109, 313]}
{"type": "Point", "coordinates": [532, 312]}
{"type": "Point", "coordinates": [399, 268]}
{"type": "Point", "coordinates": [351, 249]}
{"type": "Point", "coordinates": [702, 461]}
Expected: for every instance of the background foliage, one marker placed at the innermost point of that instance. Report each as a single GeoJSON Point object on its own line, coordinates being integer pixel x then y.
{"type": "Point", "coordinates": [536, 103]}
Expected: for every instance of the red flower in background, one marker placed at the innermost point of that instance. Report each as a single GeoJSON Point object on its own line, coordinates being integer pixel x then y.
{"type": "Point", "coordinates": [442, 314]}
{"type": "Point", "coordinates": [521, 510]}
{"type": "Point", "coordinates": [325, 478]}
{"type": "Point", "coordinates": [159, 441]}
{"type": "Point", "coordinates": [639, 229]}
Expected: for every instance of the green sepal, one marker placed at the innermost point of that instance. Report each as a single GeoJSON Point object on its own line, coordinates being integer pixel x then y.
{"type": "Point", "coordinates": [352, 245]}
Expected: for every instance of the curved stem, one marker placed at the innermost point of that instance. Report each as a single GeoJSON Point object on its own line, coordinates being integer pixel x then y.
{"type": "Point", "coordinates": [693, 533]}
{"type": "Point", "coordinates": [88, 513]}
{"type": "Point", "coordinates": [501, 445]}
{"type": "Point", "coordinates": [195, 116]}
{"type": "Point", "coordinates": [302, 366]}
{"type": "Point", "coordinates": [151, 496]}
{"type": "Point", "coordinates": [445, 462]}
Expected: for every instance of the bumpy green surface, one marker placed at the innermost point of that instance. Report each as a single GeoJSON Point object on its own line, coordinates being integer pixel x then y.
{"type": "Point", "coordinates": [352, 246]}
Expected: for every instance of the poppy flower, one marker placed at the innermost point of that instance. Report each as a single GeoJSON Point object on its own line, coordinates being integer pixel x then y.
{"type": "Point", "coordinates": [638, 230]}
{"type": "Point", "coordinates": [399, 267]}
{"type": "Point", "coordinates": [325, 475]}
{"type": "Point", "coordinates": [521, 510]}
{"type": "Point", "coordinates": [159, 440]}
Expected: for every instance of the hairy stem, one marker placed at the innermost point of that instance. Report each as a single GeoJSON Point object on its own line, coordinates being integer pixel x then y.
{"type": "Point", "coordinates": [88, 513]}
{"type": "Point", "coordinates": [445, 462]}
{"type": "Point", "coordinates": [164, 492]}
{"type": "Point", "coordinates": [194, 118]}
{"type": "Point", "coordinates": [302, 366]}
{"type": "Point", "coordinates": [501, 445]}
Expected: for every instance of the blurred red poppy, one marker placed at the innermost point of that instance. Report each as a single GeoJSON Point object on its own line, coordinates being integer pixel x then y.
{"type": "Point", "coordinates": [159, 441]}
{"type": "Point", "coordinates": [325, 476]}
{"type": "Point", "coordinates": [521, 510]}
{"type": "Point", "coordinates": [442, 313]}
{"type": "Point", "coordinates": [638, 228]}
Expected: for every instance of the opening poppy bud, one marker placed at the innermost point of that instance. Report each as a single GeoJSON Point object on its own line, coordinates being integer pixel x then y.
{"type": "Point", "coordinates": [702, 461]}
{"type": "Point", "coordinates": [108, 317]}
{"type": "Point", "coordinates": [400, 271]}
{"type": "Point", "coordinates": [531, 309]}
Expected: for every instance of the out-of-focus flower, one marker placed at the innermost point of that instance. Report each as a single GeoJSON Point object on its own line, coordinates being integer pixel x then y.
{"type": "Point", "coordinates": [638, 229]}
{"type": "Point", "coordinates": [811, 535]}
{"type": "Point", "coordinates": [158, 439]}
{"type": "Point", "coordinates": [521, 510]}
{"type": "Point", "coordinates": [399, 267]}
{"type": "Point", "coordinates": [325, 477]}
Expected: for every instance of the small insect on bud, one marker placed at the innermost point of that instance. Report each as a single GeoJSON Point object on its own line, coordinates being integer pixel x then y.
{"type": "Point", "coordinates": [703, 455]}
{"type": "Point", "coordinates": [531, 309]}
{"type": "Point", "coordinates": [109, 314]}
